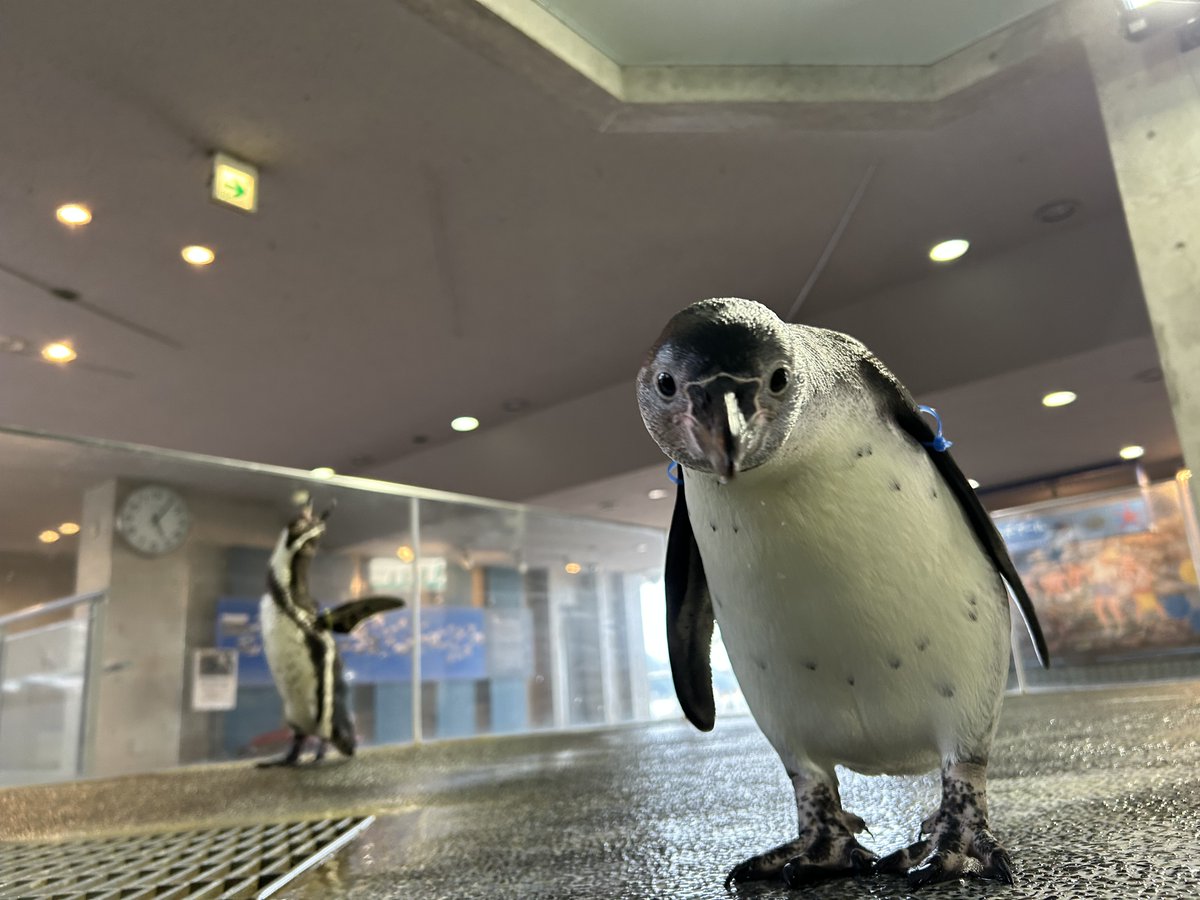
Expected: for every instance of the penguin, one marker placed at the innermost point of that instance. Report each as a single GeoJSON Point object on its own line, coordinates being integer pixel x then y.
{"type": "Point", "coordinates": [858, 582]}
{"type": "Point", "coordinates": [299, 643]}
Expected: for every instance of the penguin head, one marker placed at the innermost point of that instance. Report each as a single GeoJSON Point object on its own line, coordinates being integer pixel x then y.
{"type": "Point", "coordinates": [305, 531]}
{"type": "Point", "coordinates": [719, 391]}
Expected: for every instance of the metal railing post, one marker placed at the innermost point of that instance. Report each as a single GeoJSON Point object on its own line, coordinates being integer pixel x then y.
{"type": "Point", "coordinates": [417, 712]}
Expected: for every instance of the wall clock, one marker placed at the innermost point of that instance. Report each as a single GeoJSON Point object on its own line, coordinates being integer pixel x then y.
{"type": "Point", "coordinates": [153, 519]}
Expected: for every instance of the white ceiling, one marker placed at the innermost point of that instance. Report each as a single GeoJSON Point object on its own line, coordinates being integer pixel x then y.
{"type": "Point", "coordinates": [785, 32]}
{"type": "Point", "coordinates": [438, 236]}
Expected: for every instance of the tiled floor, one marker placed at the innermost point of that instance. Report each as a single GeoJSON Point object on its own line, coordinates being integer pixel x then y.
{"type": "Point", "coordinates": [1095, 793]}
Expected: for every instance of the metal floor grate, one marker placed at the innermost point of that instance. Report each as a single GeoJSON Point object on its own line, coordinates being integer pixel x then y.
{"type": "Point", "coordinates": [249, 861]}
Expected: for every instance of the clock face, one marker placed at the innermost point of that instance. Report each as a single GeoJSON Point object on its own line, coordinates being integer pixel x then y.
{"type": "Point", "coordinates": [153, 520]}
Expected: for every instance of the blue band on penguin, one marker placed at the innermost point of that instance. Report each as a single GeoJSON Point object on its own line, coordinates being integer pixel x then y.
{"type": "Point", "coordinates": [939, 443]}
{"type": "Point", "coordinates": [674, 476]}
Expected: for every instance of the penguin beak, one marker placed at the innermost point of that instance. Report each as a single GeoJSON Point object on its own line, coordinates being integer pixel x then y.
{"type": "Point", "coordinates": [723, 437]}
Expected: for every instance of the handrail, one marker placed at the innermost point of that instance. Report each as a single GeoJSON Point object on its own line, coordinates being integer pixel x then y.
{"type": "Point", "coordinates": [39, 609]}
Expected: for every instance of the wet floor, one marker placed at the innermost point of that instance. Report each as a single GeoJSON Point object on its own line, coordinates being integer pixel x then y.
{"type": "Point", "coordinates": [1095, 793]}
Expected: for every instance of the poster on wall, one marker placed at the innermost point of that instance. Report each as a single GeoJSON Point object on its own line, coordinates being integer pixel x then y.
{"type": "Point", "coordinates": [454, 644]}
{"type": "Point", "coordinates": [214, 678]}
{"type": "Point", "coordinates": [1111, 580]}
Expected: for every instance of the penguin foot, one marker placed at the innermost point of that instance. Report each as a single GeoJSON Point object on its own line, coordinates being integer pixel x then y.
{"type": "Point", "coordinates": [278, 762]}
{"type": "Point", "coordinates": [956, 841]}
{"type": "Point", "coordinates": [806, 861]}
{"type": "Point", "coordinates": [825, 849]}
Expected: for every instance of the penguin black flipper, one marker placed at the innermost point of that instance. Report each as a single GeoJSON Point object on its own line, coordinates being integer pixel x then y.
{"type": "Point", "coordinates": [903, 408]}
{"type": "Point", "coordinates": [345, 618]}
{"type": "Point", "coordinates": [689, 619]}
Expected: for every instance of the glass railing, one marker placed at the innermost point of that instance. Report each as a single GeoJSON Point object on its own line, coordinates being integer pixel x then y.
{"type": "Point", "coordinates": [517, 619]}
{"type": "Point", "coordinates": [48, 674]}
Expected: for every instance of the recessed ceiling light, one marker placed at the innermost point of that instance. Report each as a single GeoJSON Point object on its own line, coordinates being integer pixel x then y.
{"type": "Point", "coordinates": [1133, 451]}
{"type": "Point", "coordinates": [464, 423]}
{"type": "Point", "coordinates": [73, 214]}
{"type": "Point", "coordinates": [1058, 398]}
{"type": "Point", "coordinates": [58, 352]}
{"type": "Point", "coordinates": [405, 553]}
{"type": "Point", "coordinates": [657, 494]}
{"type": "Point", "coordinates": [68, 528]}
{"type": "Point", "coordinates": [197, 255]}
{"type": "Point", "coordinates": [573, 568]}
{"type": "Point", "coordinates": [48, 536]}
{"type": "Point", "coordinates": [949, 250]}
{"type": "Point", "coordinates": [322, 472]}
{"type": "Point", "coordinates": [973, 483]}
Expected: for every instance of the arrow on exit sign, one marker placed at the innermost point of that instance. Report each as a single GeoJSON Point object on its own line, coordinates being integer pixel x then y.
{"type": "Point", "coordinates": [234, 183]}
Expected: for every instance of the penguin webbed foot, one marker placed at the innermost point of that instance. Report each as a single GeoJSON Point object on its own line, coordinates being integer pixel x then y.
{"type": "Point", "coordinates": [808, 860]}
{"type": "Point", "coordinates": [948, 858]}
{"type": "Point", "coordinates": [278, 762]}
{"type": "Point", "coordinates": [955, 842]}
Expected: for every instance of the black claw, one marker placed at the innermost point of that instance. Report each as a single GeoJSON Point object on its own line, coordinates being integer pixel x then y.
{"type": "Point", "coordinates": [1000, 868]}
{"type": "Point", "coordinates": [739, 874]}
{"type": "Point", "coordinates": [933, 869]}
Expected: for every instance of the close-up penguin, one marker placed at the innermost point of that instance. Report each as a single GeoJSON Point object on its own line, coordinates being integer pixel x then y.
{"type": "Point", "coordinates": [299, 643]}
{"type": "Point", "coordinates": [859, 584]}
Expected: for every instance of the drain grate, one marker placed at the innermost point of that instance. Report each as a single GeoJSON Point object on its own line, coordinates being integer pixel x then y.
{"type": "Point", "coordinates": [249, 861]}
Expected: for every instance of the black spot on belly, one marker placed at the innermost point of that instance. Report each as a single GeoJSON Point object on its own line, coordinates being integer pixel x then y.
{"type": "Point", "coordinates": [712, 526]}
{"type": "Point", "coordinates": [973, 616]}
{"type": "Point", "coordinates": [934, 493]}
{"type": "Point", "coordinates": [762, 665]}
{"type": "Point", "coordinates": [946, 690]}
{"type": "Point", "coordinates": [850, 681]}
{"type": "Point", "coordinates": [863, 451]}
{"type": "Point", "coordinates": [895, 485]}
{"type": "Point", "coordinates": [811, 666]}
{"type": "Point", "coordinates": [922, 643]}
{"type": "Point", "coordinates": [894, 662]}
{"type": "Point", "coordinates": [736, 529]}
{"type": "Point", "coordinates": [972, 600]}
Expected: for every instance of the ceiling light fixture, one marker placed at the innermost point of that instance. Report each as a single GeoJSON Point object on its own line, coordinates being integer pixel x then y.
{"type": "Point", "coordinates": [68, 528]}
{"type": "Point", "coordinates": [405, 553]}
{"type": "Point", "coordinates": [58, 352]}
{"type": "Point", "coordinates": [657, 494]}
{"type": "Point", "coordinates": [1133, 451]}
{"type": "Point", "coordinates": [464, 423]}
{"type": "Point", "coordinates": [950, 250]}
{"type": "Point", "coordinates": [197, 255]}
{"type": "Point", "coordinates": [973, 483]}
{"type": "Point", "coordinates": [573, 568]}
{"type": "Point", "coordinates": [48, 536]}
{"type": "Point", "coordinates": [73, 214]}
{"type": "Point", "coordinates": [1059, 398]}
{"type": "Point", "coordinates": [322, 472]}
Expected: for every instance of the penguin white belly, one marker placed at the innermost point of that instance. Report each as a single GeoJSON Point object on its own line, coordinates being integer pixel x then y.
{"type": "Point", "coordinates": [294, 669]}
{"type": "Point", "coordinates": [864, 622]}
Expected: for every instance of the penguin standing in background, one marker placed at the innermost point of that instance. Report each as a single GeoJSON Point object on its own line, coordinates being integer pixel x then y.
{"type": "Point", "coordinates": [300, 646]}
{"type": "Point", "coordinates": [858, 582]}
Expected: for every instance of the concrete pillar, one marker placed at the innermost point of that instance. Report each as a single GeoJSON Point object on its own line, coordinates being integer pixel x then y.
{"type": "Point", "coordinates": [1150, 97]}
{"type": "Point", "coordinates": [142, 644]}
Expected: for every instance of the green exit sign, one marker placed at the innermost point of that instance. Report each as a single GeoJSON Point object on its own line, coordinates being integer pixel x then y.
{"type": "Point", "coordinates": [234, 183]}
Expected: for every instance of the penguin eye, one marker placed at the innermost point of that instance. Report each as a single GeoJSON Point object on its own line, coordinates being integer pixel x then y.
{"type": "Point", "coordinates": [665, 384]}
{"type": "Point", "coordinates": [779, 380]}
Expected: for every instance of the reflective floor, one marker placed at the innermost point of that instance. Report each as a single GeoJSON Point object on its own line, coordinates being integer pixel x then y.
{"type": "Point", "coordinates": [1095, 793]}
